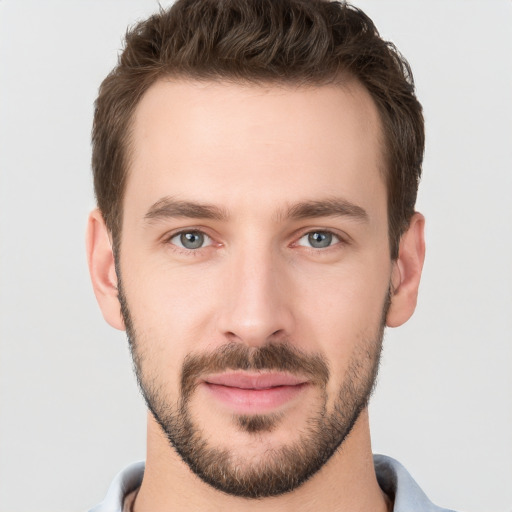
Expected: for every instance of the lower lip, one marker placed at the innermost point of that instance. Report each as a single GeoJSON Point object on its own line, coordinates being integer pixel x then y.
{"type": "Point", "coordinates": [254, 401]}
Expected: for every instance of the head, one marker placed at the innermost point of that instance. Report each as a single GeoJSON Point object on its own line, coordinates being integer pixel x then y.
{"type": "Point", "coordinates": [256, 166]}
{"type": "Point", "coordinates": [297, 43]}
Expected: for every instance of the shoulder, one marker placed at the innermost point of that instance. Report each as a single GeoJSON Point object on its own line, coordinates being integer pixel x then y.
{"type": "Point", "coordinates": [123, 484]}
{"type": "Point", "coordinates": [397, 483]}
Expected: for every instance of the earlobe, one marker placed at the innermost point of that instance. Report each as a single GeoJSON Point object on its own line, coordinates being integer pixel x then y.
{"type": "Point", "coordinates": [406, 273]}
{"type": "Point", "coordinates": [100, 258]}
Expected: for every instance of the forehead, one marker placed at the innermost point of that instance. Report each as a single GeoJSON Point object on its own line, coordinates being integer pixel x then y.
{"type": "Point", "coordinates": [219, 141]}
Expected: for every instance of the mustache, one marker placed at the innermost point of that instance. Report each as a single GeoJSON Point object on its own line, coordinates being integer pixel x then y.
{"type": "Point", "coordinates": [281, 357]}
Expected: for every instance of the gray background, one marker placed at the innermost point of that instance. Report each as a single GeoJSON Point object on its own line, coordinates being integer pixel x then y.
{"type": "Point", "coordinates": [70, 414]}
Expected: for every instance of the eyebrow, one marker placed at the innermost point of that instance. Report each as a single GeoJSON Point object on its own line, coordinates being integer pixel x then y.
{"type": "Point", "coordinates": [169, 207]}
{"type": "Point", "coordinates": [332, 207]}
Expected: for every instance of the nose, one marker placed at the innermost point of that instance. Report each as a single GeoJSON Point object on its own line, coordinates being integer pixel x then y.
{"type": "Point", "coordinates": [257, 299]}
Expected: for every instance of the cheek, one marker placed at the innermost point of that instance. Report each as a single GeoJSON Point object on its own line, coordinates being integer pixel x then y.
{"type": "Point", "coordinates": [171, 314]}
{"type": "Point", "coordinates": [342, 312]}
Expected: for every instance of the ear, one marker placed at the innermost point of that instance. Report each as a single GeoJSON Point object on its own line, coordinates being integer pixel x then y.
{"type": "Point", "coordinates": [406, 274]}
{"type": "Point", "coordinates": [100, 258]}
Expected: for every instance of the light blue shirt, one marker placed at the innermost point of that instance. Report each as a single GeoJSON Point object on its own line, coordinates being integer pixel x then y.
{"type": "Point", "coordinates": [393, 479]}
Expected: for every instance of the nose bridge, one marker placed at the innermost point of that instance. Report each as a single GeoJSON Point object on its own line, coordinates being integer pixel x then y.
{"type": "Point", "coordinates": [256, 309]}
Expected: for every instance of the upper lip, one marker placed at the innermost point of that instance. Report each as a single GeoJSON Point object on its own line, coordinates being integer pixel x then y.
{"type": "Point", "coordinates": [245, 380]}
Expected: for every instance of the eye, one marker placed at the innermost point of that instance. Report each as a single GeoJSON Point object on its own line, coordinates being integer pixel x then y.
{"type": "Point", "coordinates": [318, 239]}
{"type": "Point", "coordinates": [191, 240]}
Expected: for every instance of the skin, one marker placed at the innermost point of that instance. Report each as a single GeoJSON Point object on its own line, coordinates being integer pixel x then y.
{"type": "Point", "coordinates": [254, 152]}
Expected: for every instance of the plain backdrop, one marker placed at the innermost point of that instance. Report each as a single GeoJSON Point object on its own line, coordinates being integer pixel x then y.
{"type": "Point", "coordinates": [70, 413]}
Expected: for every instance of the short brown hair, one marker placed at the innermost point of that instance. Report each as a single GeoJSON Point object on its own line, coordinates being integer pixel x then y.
{"type": "Point", "coordinates": [302, 42]}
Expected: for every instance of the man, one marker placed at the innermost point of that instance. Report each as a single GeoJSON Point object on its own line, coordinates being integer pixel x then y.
{"type": "Point", "coordinates": [256, 167]}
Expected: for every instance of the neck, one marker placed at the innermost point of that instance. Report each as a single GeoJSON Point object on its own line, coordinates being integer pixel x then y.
{"type": "Point", "coordinates": [346, 482]}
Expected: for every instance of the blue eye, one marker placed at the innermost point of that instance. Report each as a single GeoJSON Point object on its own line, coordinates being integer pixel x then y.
{"type": "Point", "coordinates": [318, 239]}
{"type": "Point", "coordinates": [191, 240]}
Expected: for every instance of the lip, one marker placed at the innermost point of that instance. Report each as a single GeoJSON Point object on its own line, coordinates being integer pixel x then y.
{"type": "Point", "coordinates": [254, 393]}
{"type": "Point", "coordinates": [257, 381]}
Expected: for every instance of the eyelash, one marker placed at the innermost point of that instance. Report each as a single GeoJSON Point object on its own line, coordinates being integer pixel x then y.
{"type": "Point", "coordinates": [193, 252]}
{"type": "Point", "coordinates": [185, 250]}
{"type": "Point", "coordinates": [338, 239]}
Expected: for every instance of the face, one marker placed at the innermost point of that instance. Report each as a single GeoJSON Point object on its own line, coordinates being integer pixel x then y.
{"type": "Point", "coordinates": [255, 273]}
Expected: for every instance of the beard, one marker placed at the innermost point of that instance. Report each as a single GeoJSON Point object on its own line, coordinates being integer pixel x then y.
{"type": "Point", "coordinates": [278, 470]}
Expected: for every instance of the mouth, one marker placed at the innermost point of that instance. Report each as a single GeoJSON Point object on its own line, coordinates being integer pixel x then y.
{"type": "Point", "coordinates": [254, 393]}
